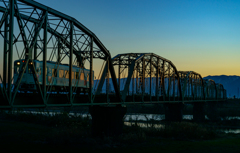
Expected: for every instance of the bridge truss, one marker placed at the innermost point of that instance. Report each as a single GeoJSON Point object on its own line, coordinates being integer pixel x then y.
{"type": "Point", "coordinates": [32, 31]}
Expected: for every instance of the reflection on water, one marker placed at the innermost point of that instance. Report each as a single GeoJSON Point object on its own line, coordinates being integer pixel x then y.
{"type": "Point", "coordinates": [147, 117]}
{"type": "Point", "coordinates": [144, 117]}
{"type": "Point", "coordinates": [234, 131]}
{"type": "Point", "coordinates": [145, 125]}
{"type": "Point", "coordinates": [130, 118]}
{"type": "Point", "coordinates": [233, 117]}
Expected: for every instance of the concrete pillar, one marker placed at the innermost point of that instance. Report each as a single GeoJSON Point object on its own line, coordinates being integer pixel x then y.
{"type": "Point", "coordinates": [198, 112]}
{"type": "Point", "coordinates": [212, 112]}
{"type": "Point", "coordinates": [107, 121]}
{"type": "Point", "coordinates": [173, 112]}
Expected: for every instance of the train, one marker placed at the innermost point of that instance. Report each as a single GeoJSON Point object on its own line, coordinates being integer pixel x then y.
{"type": "Point", "coordinates": [57, 76]}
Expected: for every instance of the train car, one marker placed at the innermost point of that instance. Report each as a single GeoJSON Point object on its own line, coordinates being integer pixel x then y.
{"type": "Point", "coordinates": [57, 76]}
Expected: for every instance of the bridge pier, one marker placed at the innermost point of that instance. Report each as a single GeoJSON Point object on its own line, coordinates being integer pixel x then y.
{"type": "Point", "coordinates": [198, 112]}
{"type": "Point", "coordinates": [212, 112]}
{"type": "Point", "coordinates": [107, 121]}
{"type": "Point", "coordinates": [173, 112]}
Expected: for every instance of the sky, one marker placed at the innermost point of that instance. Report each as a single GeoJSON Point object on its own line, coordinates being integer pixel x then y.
{"type": "Point", "coordinates": [196, 35]}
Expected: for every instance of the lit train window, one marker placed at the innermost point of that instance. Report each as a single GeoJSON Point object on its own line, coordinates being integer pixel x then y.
{"type": "Point", "coordinates": [54, 72]}
{"type": "Point", "coordinates": [77, 75]}
{"type": "Point", "coordinates": [82, 76]}
{"type": "Point", "coordinates": [66, 74]}
{"type": "Point", "coordinates": [73, 75]}
{"type": "Point", "coordinates": [61, 73]}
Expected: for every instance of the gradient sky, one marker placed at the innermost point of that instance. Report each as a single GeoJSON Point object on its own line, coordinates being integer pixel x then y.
{"type": "Point", "coordinates": [201, 36]}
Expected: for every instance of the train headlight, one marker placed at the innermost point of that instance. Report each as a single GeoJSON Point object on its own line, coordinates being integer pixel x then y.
{"type": "Point", "coordinates": [18, 63]}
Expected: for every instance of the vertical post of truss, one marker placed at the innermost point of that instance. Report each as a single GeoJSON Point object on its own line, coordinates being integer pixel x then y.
{"type": "Point", "coordinates": [5, 48]}
{"type": "Point", "coordinates": [150, 77]}
{"type": "Point", "coordinates": [107, 83]}
{"type": "Point", "coordinates": [128, 69]}
{"type": "Point", "coordinates": [133, 84]}
{"type": "Point", "coordinates": [180, 89]}
{"type": "Point", "coordinates": [44, 70]}
{"type": "Point", "coordinates": [195, 80]}
{"type": "Point", "coordinates": [157, 80]}
{"type": "Point", "coordinates": [197, 87]}
{"type": "Point", "coordinates": [137, 83]}
{"type": "Point", "coordinates": [169, 81]}
{"type": "Point", "coordinates": [119, 73]}
{"type": "Point", "coordinates": [163, 81]}
{"type": "Point", "coordinates": [143, 78]}
{"type": "Point", "coordinates": [35, 46]}
{"type": "Point", "coordinates": [174, 83]}
{"type": "Point", "coordinates": [10, 48]}
{"type": "Point", "coordinates": [192, 88]}
{"type": "Point", "coordinates": [59, 51]}
{"type": "Point", "coordinates": [203, 91]}
{"type": "Point", "coordinates": [91, 70]}
{"type": "Point", "coordinates": [189, 87]}
{"type": "Point", "coordinates": [70, 63]}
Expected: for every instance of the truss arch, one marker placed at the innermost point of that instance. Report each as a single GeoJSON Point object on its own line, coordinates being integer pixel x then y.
{"type": "Point", "coordinates": [41, 33]}
{"type": "Point", "coordinates": [192, 85]}
{"type": "Point", "coordinates": [147, 70]}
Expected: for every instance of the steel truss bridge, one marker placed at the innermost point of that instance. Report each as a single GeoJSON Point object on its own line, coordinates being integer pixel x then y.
{"type": "Point", "coordinates": [32, 31]}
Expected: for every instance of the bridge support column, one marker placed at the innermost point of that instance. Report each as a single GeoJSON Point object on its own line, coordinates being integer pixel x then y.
{"type": "Point", "coordinates": [212, 112]}
{"type": "Point", "coordinates": [173, 112]}
{"type": "Point", "coordinates": [198, 112]}
{"type": "Point", "coordinates": [107, 121]}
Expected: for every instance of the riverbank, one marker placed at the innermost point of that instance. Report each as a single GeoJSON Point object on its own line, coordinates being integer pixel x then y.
{"type": "Point", "coordinates": [61, 132]}
{"type": "Point", "coordinates": [229, 108]}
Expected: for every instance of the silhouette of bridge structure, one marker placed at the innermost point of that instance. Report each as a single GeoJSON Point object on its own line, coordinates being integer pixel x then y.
{"type": "Point", "coordinates": [32, 31]}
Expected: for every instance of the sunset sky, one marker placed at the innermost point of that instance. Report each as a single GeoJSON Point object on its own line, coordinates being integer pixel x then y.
{"type": "Point", "coordinates": [201, 36]}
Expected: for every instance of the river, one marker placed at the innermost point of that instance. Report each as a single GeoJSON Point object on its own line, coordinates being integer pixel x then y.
{"type": "Point", "coordinates": [129, 119]}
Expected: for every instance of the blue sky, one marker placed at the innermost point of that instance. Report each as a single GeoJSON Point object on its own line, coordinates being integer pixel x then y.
{"type": "Point", "coordinates": [198, 35]}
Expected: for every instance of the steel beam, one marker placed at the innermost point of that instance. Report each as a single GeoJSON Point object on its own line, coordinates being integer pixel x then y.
{"type": "Point", "coordinates": [44, 82]}
{"type": "Point", "coordinates": [71, 63]}
{"type": "Point", "coordinates": [103, 76]}
{"type": "Point", "coordinates": [35, 46]}
{"type": "Point", "coordinates": [143, 78]}
{"type": "Point", "coordinates": [59, 52]}
{"type": "Point", "coordinates": [5, 53]}
{"type": "Point", "coordinates": [10, 49]}
{"type": "Point", "coordinates": [91, 70]}
{"type": "Point", "coordinates": [151, 78]}
{"type": "Point", "coordinates": [28, 53]}
{"type": "Point", "coordinates": [157, 79]}
{"type": "Point", "coordinates": [126, 87]}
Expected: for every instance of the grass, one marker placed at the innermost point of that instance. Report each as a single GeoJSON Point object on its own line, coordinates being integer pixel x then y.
{"type": "Point", "coordinates": [61, 132]}
{"type": "Point", "coordinates": [180, 131]}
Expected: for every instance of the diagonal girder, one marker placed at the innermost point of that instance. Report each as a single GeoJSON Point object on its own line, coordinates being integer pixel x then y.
{"type": "Point", "coordinates": [103, 53]}
{"type": "Point", "coordinates": [150, 65]}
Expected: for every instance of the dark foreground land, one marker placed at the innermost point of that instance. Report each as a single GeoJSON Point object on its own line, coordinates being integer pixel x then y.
{"type": "Point", "coordinates": [61, 133]}
{"type": "Point", "coordinates": [17, 136]}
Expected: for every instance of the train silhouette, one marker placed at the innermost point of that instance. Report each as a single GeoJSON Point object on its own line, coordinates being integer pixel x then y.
{"type": "Point", "coordinates": [57, 76]}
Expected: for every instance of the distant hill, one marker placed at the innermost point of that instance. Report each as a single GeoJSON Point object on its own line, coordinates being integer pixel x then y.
{"type": "Point", "coordinates": [231, 83]}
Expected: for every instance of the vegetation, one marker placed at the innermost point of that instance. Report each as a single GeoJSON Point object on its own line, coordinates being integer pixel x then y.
{"type": "Point", "coordinates": [59, 131]}
{"type": "Point", "coordinates": [71, 129]}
